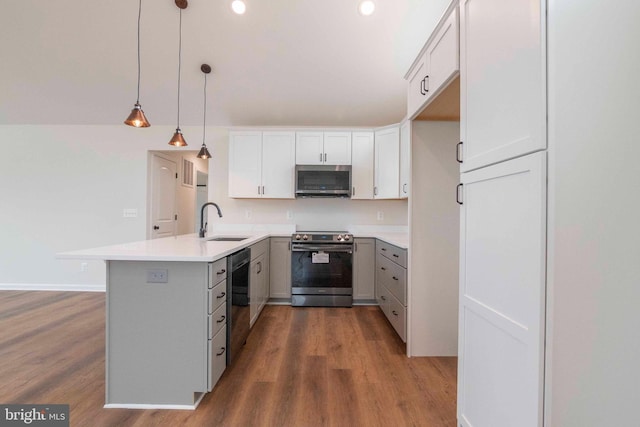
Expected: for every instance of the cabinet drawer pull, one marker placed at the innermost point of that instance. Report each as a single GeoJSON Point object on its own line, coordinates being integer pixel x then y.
{"type": "Point", "coordinates": [396, 256]}
{"type": "Point", "coordinates": [221, 272]}
{"type": "Point", "coordinates": [221, 319]}
{"type": "Point", "coordinates": [222, 352]}
{"type": "Point", "coordinates": [395, 313]}
{"type": "Point", "coordinates": [383, 249]}
{"type": "Point", "coordinates": [394, 278]}
{"type": "Point", "coordinates": [222, 295]}
{"type": "Point", "coordinates": [382, 298]}
{"type": "Point", "coordinates": [383, 269]}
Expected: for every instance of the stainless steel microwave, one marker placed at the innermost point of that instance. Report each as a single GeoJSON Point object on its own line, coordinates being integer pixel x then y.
{"type": "Point", "coordinates": [323, 181]}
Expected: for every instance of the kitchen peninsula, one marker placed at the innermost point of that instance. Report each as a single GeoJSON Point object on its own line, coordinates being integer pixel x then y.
{"type": "Point", "coordinates": [165, 321]}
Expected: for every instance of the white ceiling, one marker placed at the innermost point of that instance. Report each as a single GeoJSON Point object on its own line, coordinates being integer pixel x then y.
{"type": "Point", "coordinates": [285, 62]}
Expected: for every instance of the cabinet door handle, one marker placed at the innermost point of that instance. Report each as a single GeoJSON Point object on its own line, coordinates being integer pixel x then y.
{"type": "Point", "coordinates": [222, 295]}
{"type": "Point", "coordinates": [353, 191]}
{"type": "Point", "coordinates": [263, 190]}
{"type": "Point", "coordinates": [221, 272]}
{"type": "Point", "coordinates": [458, 195]}
{"type": "Point", "coordinates": [395, 313]}
{"type": "Point", "coordinates": [320, 157]}
{"type": "Point", "coordinates": [258, 189]}
{"type": "Point", "coordinates": [375, 191]}
{"type": "Point", "coordinates": [422, 92]}
{"type": "Point", "coordinates": [260, 267]}
{"type": "Point", "coordinates": [325, 157]}
{"type": "Point", "coordinates": [404, 188]}
{"type": "Point", "coordinates": [426, 84]}
{"type": "Point", "coordinates": [221, 352]}
{"type": "Point", "coordinates": [355, 247]}
{"type": "Point", "coordinates": [459, 152]}
{"type": "Point", "coordinates": [221, 319]}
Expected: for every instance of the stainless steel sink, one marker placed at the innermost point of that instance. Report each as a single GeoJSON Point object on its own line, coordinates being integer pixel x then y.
{"type": "Point", "coordinates": [226, 239]}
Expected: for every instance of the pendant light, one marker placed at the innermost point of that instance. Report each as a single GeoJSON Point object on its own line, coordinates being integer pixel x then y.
{"type": "Point", "coordinates": [178, 140]}
{"type": "Point", "coordinates": [137, 117]}
{"type": "Point", "coordinates": [204, 153]}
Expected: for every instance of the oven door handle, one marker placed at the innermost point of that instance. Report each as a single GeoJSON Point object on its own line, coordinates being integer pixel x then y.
{"type": "Point", "coordinates": [321, 248]}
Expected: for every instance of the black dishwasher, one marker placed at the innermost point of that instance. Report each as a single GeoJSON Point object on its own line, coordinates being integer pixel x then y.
{"type": "Point", "coordinates": [238, 314]}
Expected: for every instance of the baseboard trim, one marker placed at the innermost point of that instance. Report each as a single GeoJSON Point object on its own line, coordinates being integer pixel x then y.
{"type": "Point", "coordinates": [154, 406]}
{"type": "Point", "coordinates": [51, 287]}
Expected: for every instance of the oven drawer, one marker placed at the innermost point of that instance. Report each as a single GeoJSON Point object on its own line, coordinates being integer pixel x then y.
{"type": "Point", "coordinates": [394, 253]}
{"type": "Point", "coordinates": [393, 277]}
{"type": "Point", "coordinates": [217, 272]}
{"type": "Point", "coordinates": [217, 296]}
{"type": "Point", "coordinates": [217, 320]}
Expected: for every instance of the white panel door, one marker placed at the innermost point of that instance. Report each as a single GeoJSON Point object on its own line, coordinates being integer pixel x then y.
{"type": "Point", "coordinates": [163, 197]}
{"type": "Point", "coordinates": [362, 155]}
{"type": "Point", "coordinates": [278, 165]}
{"type": "Point", "coordinates": [442, 55]}
{"type": "Point", "coordinates": [337, 148]}
{"type": "Point", "coordinates": [387, 163]}
{"type": "Point", "coordinates": [405, 149]}
{"type": "Point", "coordinates": [503, 80]}
{"type": "Point", "coordinates": [245, 164]}
{"type": "Point", "coordinates": [309, 148]}
{"type": "Point", "coordinates": [502, 294]}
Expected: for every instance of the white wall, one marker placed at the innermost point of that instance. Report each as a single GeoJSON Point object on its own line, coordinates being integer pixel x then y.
{"type": "Point", "coordinates": [307, 214]}
{"type": "Point", "coordinates": [64, 187]}
{"type": "Point", "coordinates": [594, 253]}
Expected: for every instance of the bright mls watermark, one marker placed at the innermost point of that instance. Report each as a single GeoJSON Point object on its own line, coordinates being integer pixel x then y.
{"type": "Point", "coordinates": [34, 415]}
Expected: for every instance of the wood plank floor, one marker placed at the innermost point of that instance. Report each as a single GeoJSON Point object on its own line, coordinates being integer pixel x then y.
{"type": "Point", "coordinates": [301, 367]}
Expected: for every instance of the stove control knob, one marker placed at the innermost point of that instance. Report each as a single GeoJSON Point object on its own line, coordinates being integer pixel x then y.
{"type": "Point", "coordinates": [340, 238]}
{"type": "Point", "coordinates": [305, 237]}
{"type": "Point", "coordinates": [298, 237]}
{"type": "Point", "coordinates": [347, 237]}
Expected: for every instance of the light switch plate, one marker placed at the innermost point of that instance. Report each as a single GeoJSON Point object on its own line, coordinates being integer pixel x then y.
{"type": "Point", "coordinates": [129, 213]}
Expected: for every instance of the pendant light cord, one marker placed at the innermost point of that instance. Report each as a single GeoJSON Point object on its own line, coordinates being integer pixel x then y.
{"type": "Point", "coordinates": [179, 64]}
{"type": "Point", "coordinates": [139, 14]}
{"type": "Point", "coordinates": [204, 119]}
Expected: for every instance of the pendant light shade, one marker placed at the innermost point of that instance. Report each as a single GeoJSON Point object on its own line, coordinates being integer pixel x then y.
{"type": "Point", "coordinates": [137, 117]}
{"type": "Point", "coordinates": [204, 153]}
{"type": "Point", "coordinates": [178, 140]}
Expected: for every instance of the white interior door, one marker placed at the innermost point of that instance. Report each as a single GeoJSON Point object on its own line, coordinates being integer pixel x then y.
{"type": "Point", "coordinates": [502, 294]}
{"type": "Point", "coordinates": [163, 197]}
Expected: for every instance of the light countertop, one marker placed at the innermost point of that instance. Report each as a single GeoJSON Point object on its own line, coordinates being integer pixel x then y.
{"type": "Point", "coordinates": [191, 248]}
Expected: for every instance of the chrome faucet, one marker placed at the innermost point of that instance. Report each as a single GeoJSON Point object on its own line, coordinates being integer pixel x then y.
{"type": "Point", "coordinates": [203, 225]}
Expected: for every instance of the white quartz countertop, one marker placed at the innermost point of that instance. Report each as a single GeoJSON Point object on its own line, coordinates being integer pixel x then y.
{"type": "Point", "coordinates": [190, 247]}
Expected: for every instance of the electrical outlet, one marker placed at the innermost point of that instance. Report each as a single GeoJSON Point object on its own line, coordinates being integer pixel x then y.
{"type": "Point", "coordinates": [157, 275]}
{"type": "Point", "coordinates": [247, 214]}
{"type": "Point", "coordinates": [129, 213]}
{"type": "Point", "coordinates": [84, 266]}
{"type": "Point", "coordinates": [289, 215]}
{"type": "Point", "coordinates": [380, 215]}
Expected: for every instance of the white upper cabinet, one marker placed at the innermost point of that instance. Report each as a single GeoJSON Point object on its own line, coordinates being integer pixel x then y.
{"type": "Point", "coordinates": [436, 66]}
{"type": "Point", "coordinates": [362, 157]}
{"type": "Point", "coordinates": [309, 148]}
{"type": "Point", "coordinates": [337, 148]}
{"type": "Point", "coordinates": [405, 148]}
{"type": "Point", "coordinates": [323, 148]}
{"type": "Point", "coordinates": [387, 163]}
{"type": "Point", "coordinates": [502, 59]}
{"type": "Point", "coordinates": [245, 164]}
{"type": "Point", "coordinates": [278, 164]}
{"type": "Point", "coordinates": [261, 164]}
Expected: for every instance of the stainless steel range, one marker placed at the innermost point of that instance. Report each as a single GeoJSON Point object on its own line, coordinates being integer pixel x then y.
{"type": "Point", "coordinates": [322, 269]}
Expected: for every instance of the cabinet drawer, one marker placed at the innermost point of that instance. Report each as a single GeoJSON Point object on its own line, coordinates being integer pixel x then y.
{"type": "Point", "coordinates": [217, 320]}
{"type": "Point", "coordinates": [393, 277]}
{"type": "Point", "coordinates": [216, 358]}
{"type": "Point", "coordinates": [383, 297]}
{"type": "Point", "coordinates": [397, 315]}
{"type": "Point", "coordinates": [217, 296]}
{"type": "Point", "coordinates": [392, 252]}
{"type": "Point", "coordinates": [259, 248]}
{"type": "Point", "coordinates": [217, 272]}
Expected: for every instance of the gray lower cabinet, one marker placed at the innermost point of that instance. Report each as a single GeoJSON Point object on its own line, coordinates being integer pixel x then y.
{"type": "Point", "coordinates": [165, 328]}
{"type": "Point", "coordinates": [280, 271]}
{"type": "Point", "coordinates": [258, 279]}
{"type": "Point", "coordinates": [364, 267]}
{"type": "Point", "coordinates": [391, 285]}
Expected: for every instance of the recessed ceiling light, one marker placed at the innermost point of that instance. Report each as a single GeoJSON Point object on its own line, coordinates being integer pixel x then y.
{"type": "Point", "coordinates": [238, 6]}
{"type": "Point", "coordinates": [366, 7]}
